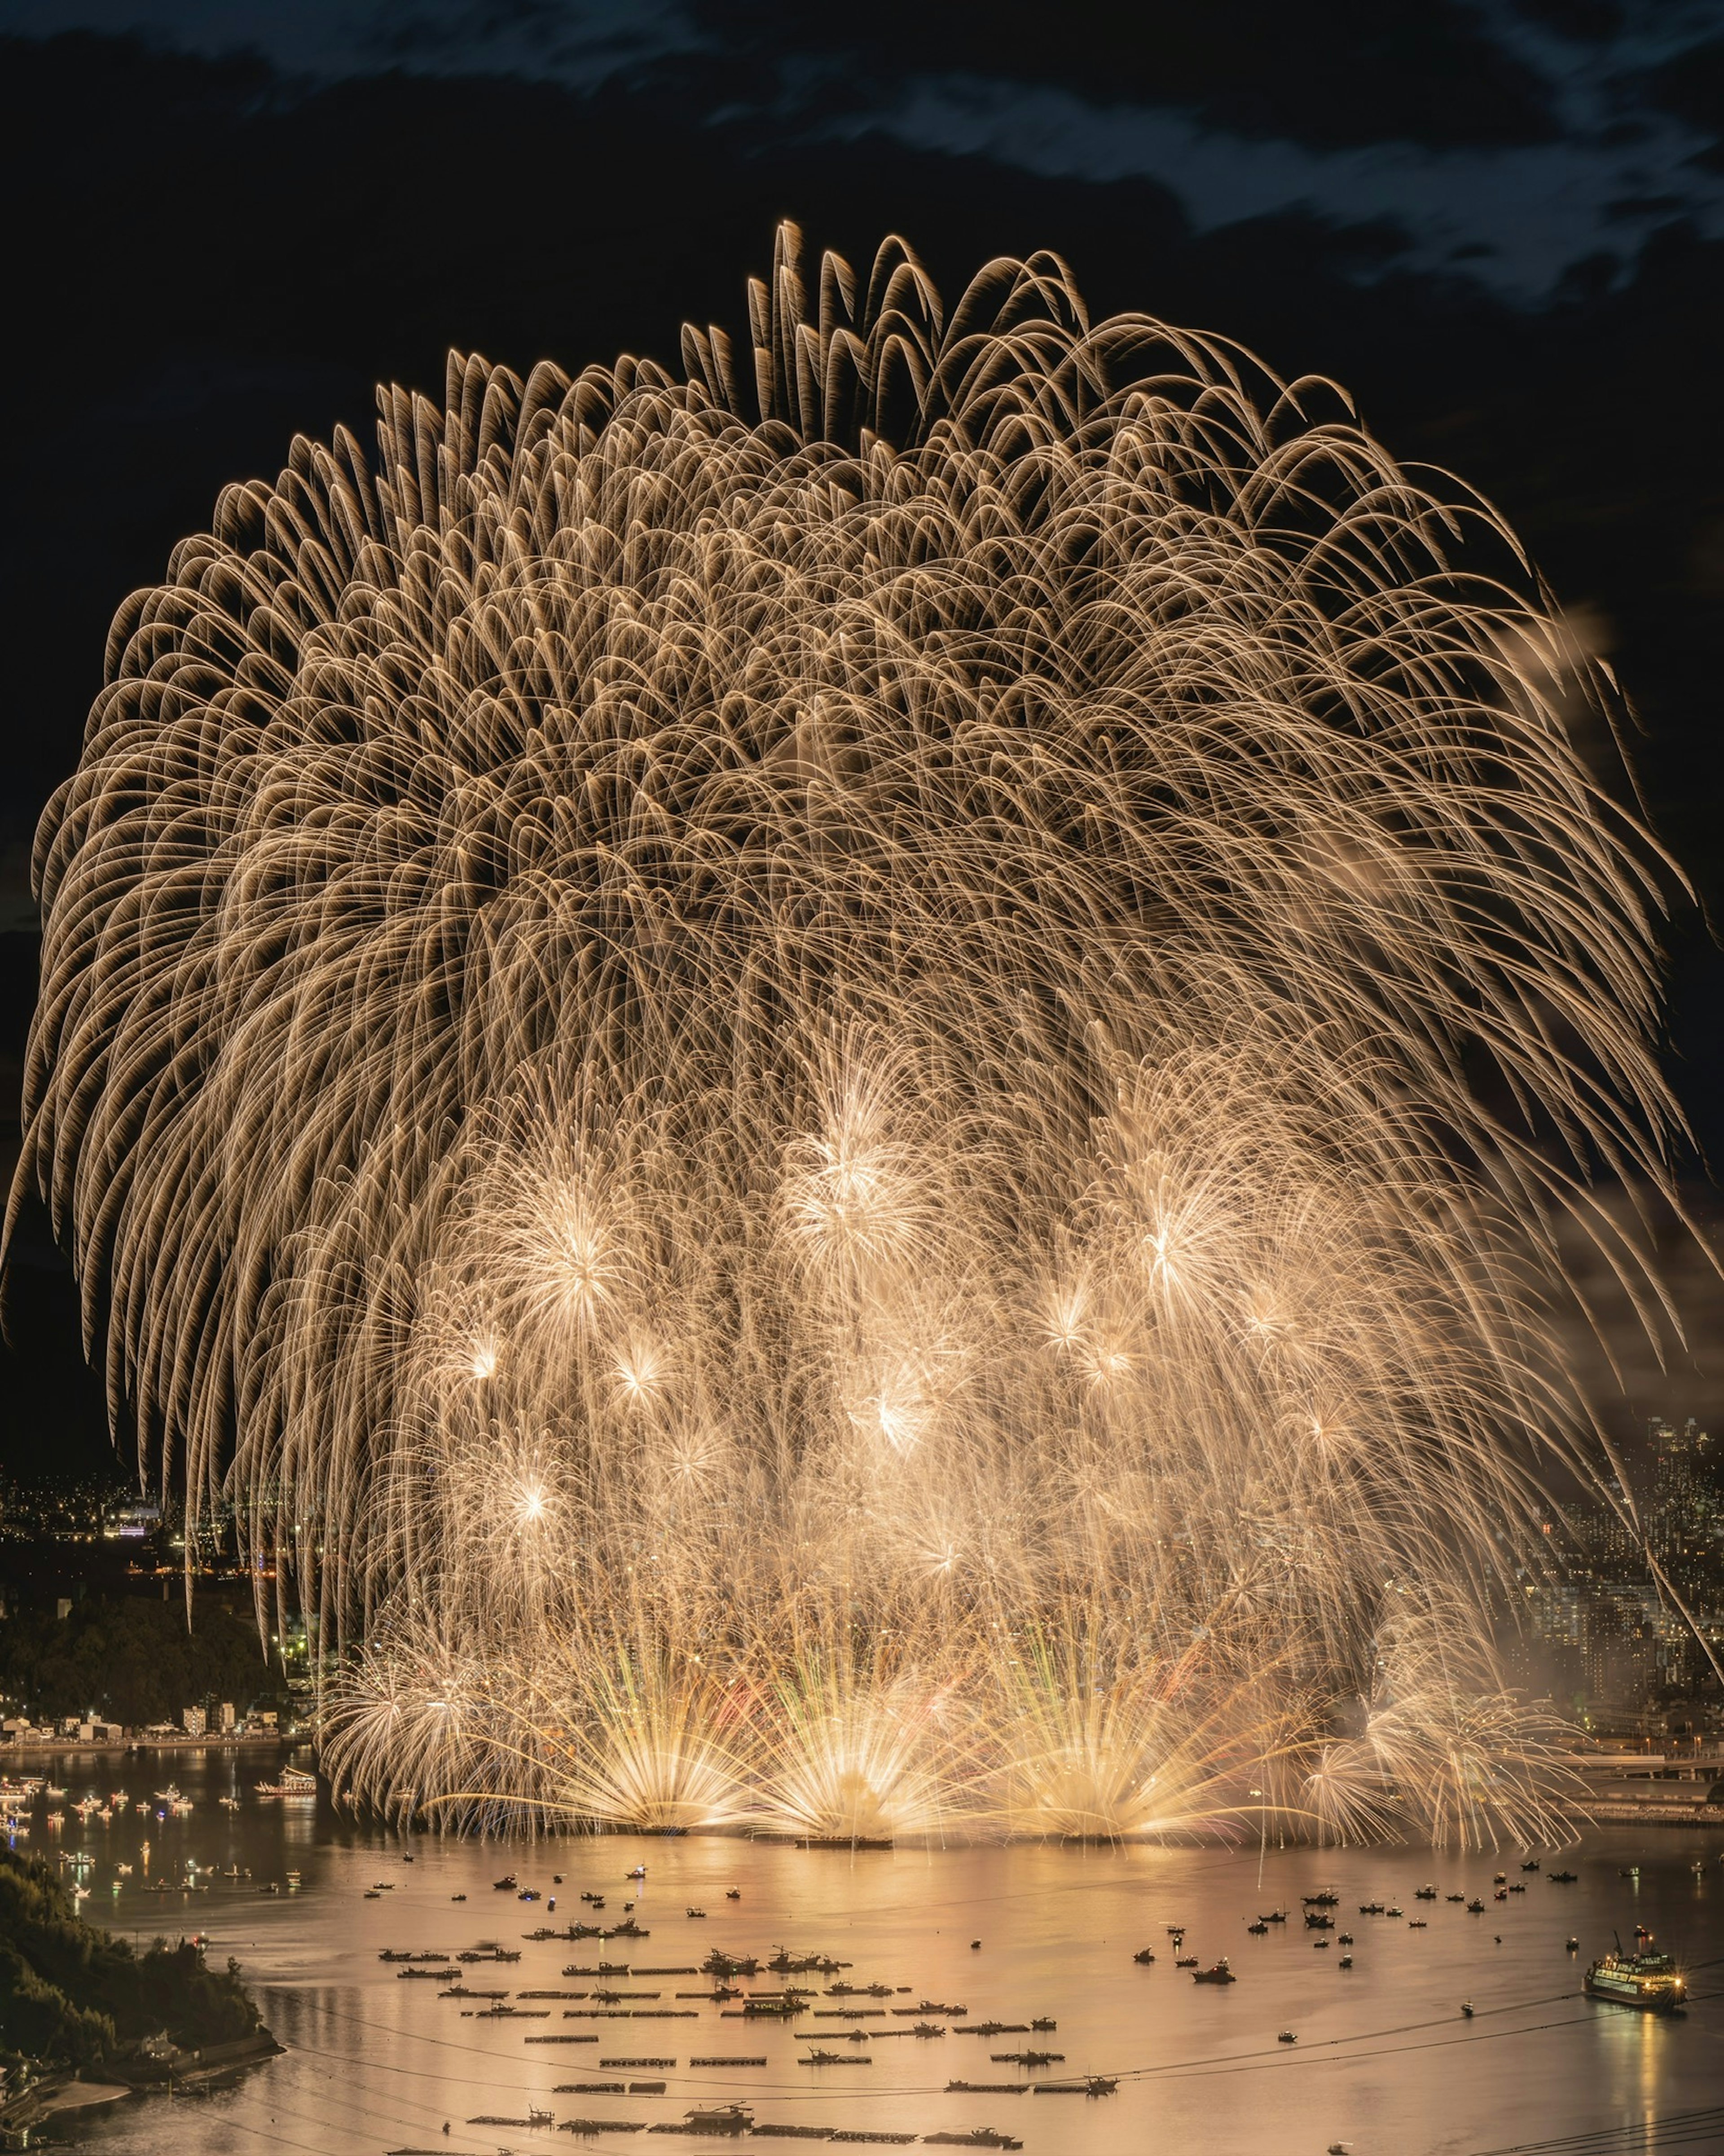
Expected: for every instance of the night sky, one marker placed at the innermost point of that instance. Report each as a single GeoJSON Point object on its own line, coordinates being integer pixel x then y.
{"type": "Point", "coordinates": [1502, 226]}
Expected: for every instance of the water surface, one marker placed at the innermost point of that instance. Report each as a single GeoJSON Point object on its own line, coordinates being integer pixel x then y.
{"type": "Point", "coordinates": [1384, 2060]}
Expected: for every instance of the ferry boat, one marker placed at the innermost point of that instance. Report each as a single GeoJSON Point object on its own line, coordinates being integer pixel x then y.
{"type": "Point", "coordinates": [1648, 1980]}
{"type": "Point", "coordinates": [295, 1785]}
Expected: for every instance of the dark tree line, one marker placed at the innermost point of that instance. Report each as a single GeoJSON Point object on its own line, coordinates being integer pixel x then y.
{"type": "Point", "coordinates": [133, 1661]}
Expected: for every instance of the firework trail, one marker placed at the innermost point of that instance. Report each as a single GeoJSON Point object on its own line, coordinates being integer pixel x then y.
{"type": "Point", "coordinates": [842, 1091]}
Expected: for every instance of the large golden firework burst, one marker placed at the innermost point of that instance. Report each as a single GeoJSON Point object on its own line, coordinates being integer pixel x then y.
{"type": "Point", "coordinates": [842, 1092]}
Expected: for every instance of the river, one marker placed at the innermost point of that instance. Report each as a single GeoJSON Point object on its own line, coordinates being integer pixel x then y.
{"type": "Point", "coordinates": [1384, 2062]}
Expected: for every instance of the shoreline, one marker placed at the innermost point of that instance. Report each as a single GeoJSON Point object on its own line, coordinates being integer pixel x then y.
{"type": "Point", "coordinates": [69, 1747]}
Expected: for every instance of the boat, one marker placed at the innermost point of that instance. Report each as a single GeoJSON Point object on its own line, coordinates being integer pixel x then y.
{"type": "Point", "coordinates": [169, 1795]}
{"type": "Point", "coordinates": [1562, 1878]}
{"type": "Point", "coordinates": [1375, 1908]}
{"type": "Point", "coordinates": [1466, 2008]}
{"type": "Point", "coordinates": [295, 1785]}
{"type": "Point", "coordinates": [1145, 1955]}
{"type": "Point", "coordinates": [1219, 1973]}
{"type": "Point", "coordinates": [734, 2118]}
{"type": "Point", "coordinates": [638, 1872]}
{"type": "Point", "coordinates": [1648, 1980]}
{"type": "Point", "coordinates": [506, 1885]}
{"type": "Point", "coordinates": [1531, 1865]}
{"type": "Point", "coordinates": [1325, 1898]}
{"type": "Point", "coordinates": [1274, 1917]}
{"type": "Point", "coordinates": [1425, 1894]}
{"type": "Point", "coordinates": [1455, 1897]}
{"type": "Point", "coordinates": [1286, 2036]}
{"type": "Point", "coordinates": [229, 1803]}
{"type": "Point", "coordinates": [1320, 1920]}
{"type": "Point", "coordinates": [1259, 1930]}
{"type": "Point", "coordinates": [1344, 1961]}
{"type": "Point", "coordinates": [1186, 1961]}
{"type": "Point", "coordinates": [1475, 1907]}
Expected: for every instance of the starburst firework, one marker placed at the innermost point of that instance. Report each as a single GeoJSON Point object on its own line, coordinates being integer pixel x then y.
{"type": "Point", "coordinates": [847, 1098]}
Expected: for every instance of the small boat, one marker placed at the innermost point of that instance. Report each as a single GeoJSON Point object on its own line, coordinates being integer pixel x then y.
{"type": "Point", "coordinates": [696, 1912]}
{"type": "Point", "coordinates": [1286, 2036]}
{"type": "Point", "coordinates": [1394, 1909]}
{"type": "Point", "coordinates": [1475, 1907]}
{"type": "Point", "coordinates": [1144, 1955]}
{"type": "Point", "coordinates": [1259, 1930]}
{"type": "Point", "coordinates": [1454, 1898]}
{"type": "Point", "coordinates": [1573, 1945]}
{"type": "Point", "coordinates": [229, 1803]}
{"type": "Point", "coordinates": [1320, 1946]}
{"type": "Point", "coordinates": [638, 1872]}
{"type": "Point", "coordinates": [1043, 2024]}
{"type": "Point", "coordinates": [1320, 1920]}
{"type": "Point", "coordinates": [1325, 1898]}
{"type": "Point", "coordinates": [1375, 1908]}
{"type": "Point", "coordinates": [1417, 1924]}
{"type": "Point", "coordinates": [1562, 1878]}
{"type": "Point", "coordinates": [1186, 1961]}
{"type": "Point", "coordinates": [733, 1894]}
{"type": "Point", "coordinates": [1344, 1938]}
{"type": "Point", "coordinates": [1425, 1894]}
{"type": "Point", "coordinates": [457, 1897]}
{"type": "Point", "coordinates": [1466, 2008]}
{"type": "Point", "coordinates": [1344, 1961]}
{"type": "Point", "coordinates": [507, 1884]}
{"type": "Point", "coordinates": [1274, 1917]}
{"type": "Point", "coordinates": [1497, 1878]}
{"type": "Point", "coordinates": [1219, 1973]}
{"type": "Point", "coordinates": [720, 2118]}
{"type": "Point", "coordinates": [1531, 1865]}
{"type": "Point", "coordinates": [295, 1786]}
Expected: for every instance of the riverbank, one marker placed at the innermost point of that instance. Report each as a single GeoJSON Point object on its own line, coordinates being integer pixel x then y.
{"type": "Point", "coordinates": [1654, 1813]}
{"type": "Point", "coordinates": [14, 1751]}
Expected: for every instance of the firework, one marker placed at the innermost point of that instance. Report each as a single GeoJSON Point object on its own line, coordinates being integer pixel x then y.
{"type": "Point", "coordinates": [841, 1090]}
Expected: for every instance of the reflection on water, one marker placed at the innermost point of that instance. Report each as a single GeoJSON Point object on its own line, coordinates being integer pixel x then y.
{"type": "Point", "coordinates": [1384, 2060]}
